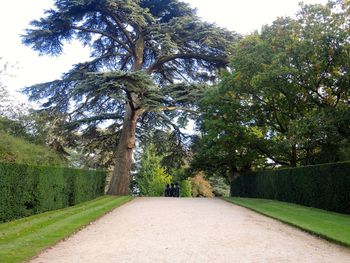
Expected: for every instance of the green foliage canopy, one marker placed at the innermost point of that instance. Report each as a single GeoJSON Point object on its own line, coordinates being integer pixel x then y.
{"type": "Point", "coordinates": [147, 54]}
{"type": "Point", "coordinates": [150, 62]}
{"type": "Point", "coordinates": [286, 98]}
{"type": "Point", "coordinates": [151, 177]}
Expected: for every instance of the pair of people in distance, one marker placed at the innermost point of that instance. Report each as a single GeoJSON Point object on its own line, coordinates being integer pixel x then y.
{"type": "Point", "coordinates": [172, 191]}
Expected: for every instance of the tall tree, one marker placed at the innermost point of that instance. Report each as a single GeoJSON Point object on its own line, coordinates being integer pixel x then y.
{"type": "Point", "coordinates": [226, 146]}
{"type": "Point", "coordinates": [286, 99]}
{"type": "Point", "coordinates": [293, 79]}
{"type": "Point", "coordinates": [147, 56]}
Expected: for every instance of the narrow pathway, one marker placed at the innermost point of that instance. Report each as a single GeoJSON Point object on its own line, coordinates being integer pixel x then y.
{"type": "Point", "coordinates": [190, 230]}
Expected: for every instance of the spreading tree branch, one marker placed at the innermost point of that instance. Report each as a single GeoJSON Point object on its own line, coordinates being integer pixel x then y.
{"type": "Point", "coordinates": [220, 61]}
{"type": "Point", "coordinates": [90, 30]}
{"type": "Point", "coordinates": [122, 28]}
{"type": "Point", "coordinates": [173, 108]}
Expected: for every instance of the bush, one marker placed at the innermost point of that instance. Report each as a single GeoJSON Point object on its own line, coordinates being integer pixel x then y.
{"type": "Point", "coordinates": [200, 186]}
{"type": "Point", "coordinates": [157, 184]}
{"type": "Point", "coordinates": [220, 185]}
{"type": "Point", "coordinates": [325, 186]}
{"type": "Point", "coordinates": [185, 188]}
{"type": "Point", "coordinates": [28, 189]}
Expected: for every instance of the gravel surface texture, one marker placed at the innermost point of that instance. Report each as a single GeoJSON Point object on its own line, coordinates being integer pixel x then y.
{"type": "Point", "coordinates": [190, 230]}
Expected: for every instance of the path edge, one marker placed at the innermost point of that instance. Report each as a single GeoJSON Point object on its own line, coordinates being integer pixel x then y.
{"type": "Point", "coordinates": [132, 198]}
{"type": "Point", "coordinates": [304, 229]}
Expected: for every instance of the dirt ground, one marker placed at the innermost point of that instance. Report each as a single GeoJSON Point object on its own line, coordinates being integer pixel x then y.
{"type": "Point", "coordinates": [190, 230]}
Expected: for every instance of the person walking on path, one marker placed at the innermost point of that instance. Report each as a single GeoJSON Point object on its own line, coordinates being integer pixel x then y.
{"type": "Point", "coordinates": [172, 190]}
{"type": "Point", "coordinates": [177, 189]}
{"type": "Point", "coordinates": [167, 191]}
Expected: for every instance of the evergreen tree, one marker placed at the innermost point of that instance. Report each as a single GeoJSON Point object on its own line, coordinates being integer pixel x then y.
{"type": "Point", "coordinates": [148, 57]}
{"type": "Point", "coordinates": [151, 177]}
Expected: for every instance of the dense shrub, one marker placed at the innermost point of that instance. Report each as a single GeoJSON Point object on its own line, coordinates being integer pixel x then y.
{"type": "Point", "coordinates": [28, 189]}
{"type": "Point", "coordinates": [325, 186]}
{"type": "Point", "coordinates": [200, 186]}
{"type": "Point", "coordinates": [185, 188]}
{"type": "Point", "coordinates": [151, 177]}
{"type": "Point", "coordinates": [220, 185]}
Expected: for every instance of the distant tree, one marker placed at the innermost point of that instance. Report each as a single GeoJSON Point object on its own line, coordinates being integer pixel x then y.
{"type": "Point", "coordinates": [12, 112]}
{"type": "Point", "coordinates": [10, 107]}
{"type": "Point", "coordinates": [172, 145]}
{"type": "Point", "coordinates": [227, 144]}
{"type": "Point", "coordinates": [93, 149]}
{"type": "Point", "coordinates": [13, 127]}
{"type": "Point", "coordinates": [151, 178]}
{"type": "Point", "coordinates": [4, 94]}
{"type": "Point", "coordinates": [148, 58]}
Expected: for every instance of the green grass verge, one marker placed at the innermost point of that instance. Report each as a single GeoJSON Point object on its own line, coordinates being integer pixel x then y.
{"type": "Point", "coordinates": [329, 225]}
{"type": "Point", "coordinates": [24, 238]}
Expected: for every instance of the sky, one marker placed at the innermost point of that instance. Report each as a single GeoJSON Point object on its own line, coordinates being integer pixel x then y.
{"type": "Point", "coordinates": [28, 68]}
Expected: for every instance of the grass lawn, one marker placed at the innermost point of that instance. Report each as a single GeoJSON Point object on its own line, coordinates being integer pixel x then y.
{"type": "Point", "coordinates": [23, 238]}
{"type": "Point", "coordinates": [329, 225]}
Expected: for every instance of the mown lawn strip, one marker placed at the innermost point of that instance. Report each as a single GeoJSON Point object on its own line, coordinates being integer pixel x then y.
{"type": "Point", "coordinates": [27, 223]}
{"type": "Point", "coordinates": [22, 244]}
{"type": "Point", "coordinates": [332, 226]}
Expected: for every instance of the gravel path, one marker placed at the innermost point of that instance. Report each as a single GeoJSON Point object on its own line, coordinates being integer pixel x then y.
{"type": "Point", "coordinates": [190, 230]}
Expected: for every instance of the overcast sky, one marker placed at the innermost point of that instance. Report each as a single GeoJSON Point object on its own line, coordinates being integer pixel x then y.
{"type": "Point", "coordinates": [242, 16]}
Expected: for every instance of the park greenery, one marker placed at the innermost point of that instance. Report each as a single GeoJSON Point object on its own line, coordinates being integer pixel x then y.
{"type": "Point", "coordinates": [332, 226]}
{"type": "Point", "coordinates": [151, 177]}
{"type": "Point", "coordinates": [278, 97]}
{"type": "Point", "coordinates": [285, 101]}
{"type": "Point", "coordinates": [324, 186]}
{"type": "Point", "coordinates": [275, 100]}
{"type": "Point", "coordinates": [32, 189]}
{"type": "Point", "coordinates": [24, 238]}
{"type": "Point", "coordinates": [16, 149]}
{"type": "Point", "coordinates": [150, 62]}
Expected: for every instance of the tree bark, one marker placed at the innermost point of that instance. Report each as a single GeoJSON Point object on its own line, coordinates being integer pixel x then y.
{"type": "Point", "coordinates": [120, 181]}
{"type": "Point", "coordinates": [233, 174]}
{"type": "Point", "coordinates": [293, 159]}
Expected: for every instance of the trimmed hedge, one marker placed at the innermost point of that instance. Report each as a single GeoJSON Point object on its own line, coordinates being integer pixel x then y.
{"type": "Point", "coordinates": [27, 189]}
{"type": "Point", "coordinates": [325, 186]}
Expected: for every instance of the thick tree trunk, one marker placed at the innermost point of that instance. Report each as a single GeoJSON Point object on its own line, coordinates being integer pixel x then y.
{"type": "Point", "coordinates": [293, 159]}
{"type": "Point", "coordinates": [232, 176]}
{"type": "Point", "coordinates": [120, 181]}
{"type": "Point", "coordinates": [234, 173]}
